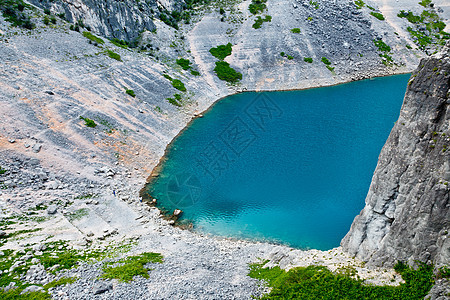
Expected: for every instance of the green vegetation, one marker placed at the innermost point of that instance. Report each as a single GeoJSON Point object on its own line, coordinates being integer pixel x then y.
{"type": "Point", "coordinates": [113, 55]}
{"type": "Point", "coordinates": [222, 51]}
{"type": "Point", "coordinates": [227, 73]}
{"type": "Point", "coordinates": [14, 12]}
{"type": "Point", "coordinates": [382, 46]}
{"type": "Point", "coordinates": [88, 122]}
{"type": "Point", "coordinates": [257, 6]}
{"type": "Point", "coordinates": [409, 16]}
{"type": "Point", "coordinates": [176, 83]}
{"type": "Point", "coordinates": [184, 63]}
{"type": "Point", "coordinates": [290, 57]}
{"type": "Point", "coordinates": [46, 20]}
{"type": "Point", "coordinates": [93, 38]}
{"type": "Point", "coordinates": [77, 215]}
{"type": "Point", "coordinates": [2, 171]}
{"type": "Point", "coordinates": [308, 59]}
{"type": "Point", "coordinates": [15, 294]}
{"type": "Point", "coordinates": [359, 4]}
{"type": "Point", "coordinates": [259, 21]}
{"type": "Point", "coordinates": [174, 102]}
{"type": "Point", "coordinates": [295, 30]}
{"type": "Point", "coordinates": [195, 73]}
{"type": "Point", "coordinates": [377, 15]}
{"type": "Point", "coordinates": [130, 92]}
{"type": "Point", "coordinates": [317, 282]}
{"type": "Point", "coordinates": [59, 282]}
{"type": "Point", "coordinates": [119, 43]}
{"type": "Point", "coordinates": [425, 3]}
{"type": "Point", "coordinates": [282, 54]}
{"type": "Point", "coordinates": [326, 61]}
{"type": "Point", "coordinates": [314, 3]}
{"type": "Point", "coordinates": [131, 266]}
{"type": "Point", "coordinates": [385, 49]}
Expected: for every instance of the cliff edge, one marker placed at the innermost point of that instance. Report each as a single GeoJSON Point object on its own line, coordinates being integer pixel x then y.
{"type": "Point", "coordinates": [406, 216]}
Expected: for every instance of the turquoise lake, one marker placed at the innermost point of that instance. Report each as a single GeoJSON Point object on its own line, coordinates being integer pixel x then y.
{"type": "Point", "coordinates": [286, 167]}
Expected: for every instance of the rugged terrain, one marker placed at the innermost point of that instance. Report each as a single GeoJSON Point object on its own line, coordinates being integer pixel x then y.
{"type": "Point", "coordinates": [64, 180]}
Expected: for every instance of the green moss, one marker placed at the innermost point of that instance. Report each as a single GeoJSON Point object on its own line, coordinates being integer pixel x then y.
{"type": "Point", "coordinates": [88, 122]}
{"type": "Point", "coordinates": [113, 55]}
{"type": "Point", "coordinates": [176, 83]}
{"type": "Point", "coordinates": [259, 21]}
{"type": "Point", "coordinates": [226, 73]}
{"type": "Point", "coordinates": [130, 92]}
{"type": "Point", "coordinates": [221, 51]}
{"type": "Point", "coordinates": [131, 266]}
{"type": "Point", "coordinates": [308, 59]}
{"type": "Point", "coordinates": [295, 30]}
{"type": "Point", "coordinates": [93, 38]}
{"type": "Point", "coordinates": [317, 282]}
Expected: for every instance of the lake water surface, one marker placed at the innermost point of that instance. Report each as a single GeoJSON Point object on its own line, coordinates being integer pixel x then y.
{"type": "Point", "coordinates": [287, 167]}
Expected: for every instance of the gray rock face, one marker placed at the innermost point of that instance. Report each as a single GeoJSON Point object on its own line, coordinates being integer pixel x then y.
{"type": "Point", "coordinates": [406, 216]}
{"type": "Point", "coordinates": [111, 18]}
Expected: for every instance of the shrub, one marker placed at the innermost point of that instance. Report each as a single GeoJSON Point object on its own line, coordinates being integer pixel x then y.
{"type": "Point", "coordinates": [167, 77]}
{"type": "Point", "coordinates": [221, 51]}
{"type": "Point", "coordinates": [382, 45]}
{"type": "Point", "coordinates": [409, 16]}
{"type": "Point", "coordinates": [295, 30]}
{"type": "Point", "coordinates": [47, 11]}
{"type": "Point", "coordinates": [13, 12]}
{"type": "Point", "coordinates": [130, 92]}
{"type": "Point", "coordinates": [315, 4]}
{"type": "Point", "coordinates": [377, 15]}
{"type": "Point", "coordinates": [59, 282]}
{"type": "Point", "coordinates": [92, 37]}
{"type": "Point", "coordinates": [330, 68]}
{"type": "Point", "coordinates": [325, 61]}
{"type": "Point", "coordinates": [290, 57]}
{"type": "Point", "coordinates": [174, 102]}
{"type": "Point", "coordinates": [425, 3]}
{"type": "Point", "coordinates": [176, 83]}
{"type": "Point", "coordinates": [195, 73]}
{"type": "Point", "coordinates": [226, 73]}
{"type": "Point", "coordinates": [53, 19]}
{"type": "Point", "coordinates": [282, 54]}
{"type": "Point", "coordinates": [119, 43]}
{"type": "Point", "coordinates": [359, 4]}
{"type": "Point", "coordinates": [88, 122]}
{"type": "Point", "coordinates": [2, 171]}
{"type": "Point", "coordinates": [221, 11]}
{"type": "Point", "coordinates": [257, 6]}
{"type": "Point", "coordinates": [259, 21]}
{"type": "Point", "coordinates": [113, 55]}
{"type": "Point", "coordinates": [46, 20]}
{"type": "Point", "coordinates": [308, 59]}
{"type": "Point", "coordinates": [184, 63]}
{"type": "Point", "coordinates": [318, 282]}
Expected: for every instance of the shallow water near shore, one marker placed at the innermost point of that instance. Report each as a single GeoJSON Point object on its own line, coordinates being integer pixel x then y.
{"type": "Point", "coordinates": [287, 167]}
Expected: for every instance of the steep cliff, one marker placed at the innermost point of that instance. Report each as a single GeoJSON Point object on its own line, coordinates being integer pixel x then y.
{"type": "Point", "coordinates": [114, 19]}
{"type": "Point", "coordinates": [406, 216]}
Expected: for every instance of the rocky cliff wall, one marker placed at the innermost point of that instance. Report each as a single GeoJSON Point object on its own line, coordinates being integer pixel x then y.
{"type": "Point", "coordinates": [406, 216]}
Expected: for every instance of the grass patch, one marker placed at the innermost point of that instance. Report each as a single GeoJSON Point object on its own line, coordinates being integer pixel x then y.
{"type": "Point", "coordinates": [93, 38]}
{"type": "Point", "coordinates": [130, 92]}
{"type": "Point", "coordinates": [377, 15]}
{"type": "Point", "coordinates": [119, 43]}
{"type": "Point", "coordinates": [308, 60]}
{"type": "Point", "coordinates": [425, 3]}
{"type": "Point", "coordinates": [131, 266]}
{"type": "Point", "coordinates": [176, 83]}
{"type": "Point", "coordinates": [227, 73]}
{"type": "Point", "coordinates": [174, 102]}
{"type": "Point", "coordinates": [317, 282]}
{"type": "Point", "coordinates": [222, 51]}
{"type": "Point", "coordinates": [295, 30]}
{"type": "Point", "coordinates": [113, 55]}
{"type": "Point", "coordinates": [59, 282]}
{"type": "Point", "coordinates": [88, 122]}
{"type": "Point", "coordinates": [78, 214]}
{"type": "Point", "coordinates": [257, 6]}
{"type": "Point", "coordinates": [259, 21]}
{"type": "Point", "coordinates": [15, 294]}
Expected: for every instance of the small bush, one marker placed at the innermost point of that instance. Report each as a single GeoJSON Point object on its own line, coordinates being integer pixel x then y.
{"type": "Point", "coordinates": [282, 54]}
{"type": "Point", "coordinates": [46, 20]}
{"type": "Point", "coordinates": [13, 12]}
{"type": "Point", "coordinates": [226, 73]}
{"type": "Point", "coordinates": [184, 63]}
{"type": "Point", "coordinates": [382, 46]}
{"type": "Point", "coordinates": [113, 55]}
{"type": "Point", "coordinates": [359, 4]}
{"type": "Point", "coordinates": [315, 4]}
{"type": "Point", "coordinates": [195, 73]}
{"type": "Point", "coordinates": [221, 11]}
{"type": "Point", "coordinates": [92, 37]}
{"type": "Point", "coordinates": [325, 61]}
{"type": "Point", "coordinates": [130, 92]}
{"type": "Point", "coordinates": [222, 51]}
{"type": "Point", "coordinates": [290, 57]}
{"type": "Point", "coordinates": [174, 102]}
{"type": "Point", "coordinates": [88, 122]}
{"type": "Point", "coordinates": [47, 11]}
{"type": "Point", "coordinates": [167, 77]}
{"type": "Point", "coordinates": [295, 30]}
{"type": "Point", "coordinates": [308, 59]}
{"type": "Point", "coordinates": [176, 83]}
{"type": "Point", "coordinates": [53, 19]}
{"type": "Point", "coordinates": [119, 43]}
{"type": "Point", "coordinates": [2, 171]}
{"type": "Point", "coordinates": [377, 15]}
{"type": "Point", "coordinates": [425, 3]}
{"type": "Point", "coordinates": [259, 21]}
{"type": "Point", "coordinates": [257, 6]}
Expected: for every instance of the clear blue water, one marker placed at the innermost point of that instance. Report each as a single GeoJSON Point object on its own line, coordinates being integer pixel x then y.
{"type": "Point", "coordinates": [286, 167]}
